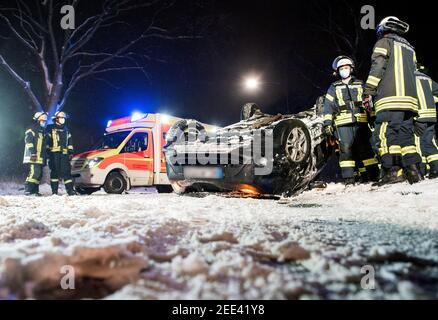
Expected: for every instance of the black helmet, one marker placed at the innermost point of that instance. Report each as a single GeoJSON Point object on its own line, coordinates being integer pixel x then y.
{"type": "Point", "coordinates": [342, 61]}
{"type": "Point", "coordinates": [392, 24]}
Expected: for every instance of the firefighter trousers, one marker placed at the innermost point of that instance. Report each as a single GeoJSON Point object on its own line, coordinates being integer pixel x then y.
{"type": "Point", "coordinates": [355, 150]}
{"type": "Point", "coordinates": [60, 169]}
{"type": "Point", "coordinates": [428, 146]}
{"type": "Point", "coordinates": [395, 140]}
{"type": "Point", "coordinates": [34, 177]}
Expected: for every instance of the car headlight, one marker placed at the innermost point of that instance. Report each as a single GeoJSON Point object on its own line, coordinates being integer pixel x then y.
{"type": "Point", "coordinates": [94, 162]}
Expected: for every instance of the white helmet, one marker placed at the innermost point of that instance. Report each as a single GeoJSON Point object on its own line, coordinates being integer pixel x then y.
{"type": "Point", "coordinates": [392, 24]}
{"type": "Point", "coordinates": [40, 116]}
{"type": "Point", "coordinates": [60, 114]}
{"type": "Point", "coordinates": [342, 61]}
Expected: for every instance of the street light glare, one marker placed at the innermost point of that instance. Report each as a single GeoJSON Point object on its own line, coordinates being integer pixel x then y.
{"type": "Point", "coordinates": [252, 83]}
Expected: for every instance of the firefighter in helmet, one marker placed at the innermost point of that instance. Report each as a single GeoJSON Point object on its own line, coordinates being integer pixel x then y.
{"type": "Point", "coordinates": [60, 149]}
{"type": "Point", "coordinates": [346, 119]}
{"type": "Point", "coordinates": [427, 92]}
{"type": "Point", "coordinates": [391, 86]}
{"type": "Point", "coordinates": [35, 153]}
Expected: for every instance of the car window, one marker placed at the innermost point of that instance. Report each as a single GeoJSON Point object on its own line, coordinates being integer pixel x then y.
{"type": "Point", "coordinates": [110, 141]}
{"type": "Point", "coordinates": [137, 143]}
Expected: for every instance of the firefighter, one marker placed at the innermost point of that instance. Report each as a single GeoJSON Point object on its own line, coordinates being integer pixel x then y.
{"type": "Point", "coordinates": [346, 119]}
{"type": "Point", "coordinates": [427, 92]}
{"type": "Point", "coordinates": [60, 149]}
{"type": "Point", "coordinates": [391, 84]}
{"type": "Point", "coordinates": [35, 153]}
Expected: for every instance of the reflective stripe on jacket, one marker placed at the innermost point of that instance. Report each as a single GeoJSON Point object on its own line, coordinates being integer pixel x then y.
{"type": "Point", "coordinates": [343, 103]}
{"type": "Point", "coordinates": [34, 145]}
{"type": "Point", "coordinates": [391, 80]}
{"type": "Point", "coordinates": [427, 91]}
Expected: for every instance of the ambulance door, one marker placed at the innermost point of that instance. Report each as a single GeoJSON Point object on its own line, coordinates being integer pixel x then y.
{"type": "Point", "coordinates": [138, 158]}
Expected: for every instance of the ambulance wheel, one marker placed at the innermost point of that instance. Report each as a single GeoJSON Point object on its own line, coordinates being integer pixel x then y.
{"type": "Point", "coordinates": [86, 191]}
{"type": "Point", "coordinates": [164, 188]}
{"type": "Point", "coordinates": [178, 188]}
{"type": "Point", "coordinates": [115, 183]}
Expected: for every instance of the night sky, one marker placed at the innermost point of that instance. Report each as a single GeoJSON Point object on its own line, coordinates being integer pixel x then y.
{"type": "Point", "coordinates": [279, 40]}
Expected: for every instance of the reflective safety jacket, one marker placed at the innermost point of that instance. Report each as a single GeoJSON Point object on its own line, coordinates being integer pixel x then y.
{"type": "Point", "coordinates": [391, 80]}
{"type": "Point", "coordinates": [34, 145]}
{"type": "Point", "coordinates": [59, 139]}
{"type": "Point", "coordinates": [427, 92]}
{"type": "Point", "coordinates": [343, 103]}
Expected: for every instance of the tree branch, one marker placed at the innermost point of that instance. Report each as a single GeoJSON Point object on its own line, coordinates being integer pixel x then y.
{"type": "Point", "coordinates": [24, 84]}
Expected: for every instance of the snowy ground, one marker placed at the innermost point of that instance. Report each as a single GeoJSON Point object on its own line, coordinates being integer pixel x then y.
{"type": "Point", "coordinates": [164, 246]}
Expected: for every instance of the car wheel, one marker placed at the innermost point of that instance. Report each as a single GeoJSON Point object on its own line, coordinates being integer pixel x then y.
{"type": "Point", "coordinates": [115, 183]}
{"type": "Point", "coordinates": [296, 143]}
{"type": "Point", "coordinates": [164, 188]}
{"type": "Point", "coordinates": [86, 191]}
{"type": "Point", "coordinates": [178, 187]}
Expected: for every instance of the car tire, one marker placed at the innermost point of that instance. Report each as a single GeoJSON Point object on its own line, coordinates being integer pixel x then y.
{"type": "Point", "coordinates": [86, 191]}
{"type": "Point", "coordinates": [295, 143]}
{"type": "Point", "coordinates": [181, 130]}
{"type": "Point", "coordinates": [115, 183]}
{"type": "Point", "coordinates": [248, 110]}
{"type": "Point", "coordinates": [164, 188]}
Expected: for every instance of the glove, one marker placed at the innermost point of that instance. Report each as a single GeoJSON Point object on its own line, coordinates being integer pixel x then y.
{"type": "Point", "coordinates": [329, 130]}
{"type": "Point", "coordinates": [419, 129]}
{"type": "Point", "coordinates": [366, 102]}
{"type": "Point", "coordinates": [33, 158]}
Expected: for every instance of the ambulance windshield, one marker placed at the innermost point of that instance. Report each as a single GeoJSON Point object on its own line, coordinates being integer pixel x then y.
{"type": "Point", "coordinates": [111, 141]}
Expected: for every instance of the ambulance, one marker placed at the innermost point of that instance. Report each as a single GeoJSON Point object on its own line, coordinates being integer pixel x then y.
{"type": "Point", "coordinates": [130, 154]}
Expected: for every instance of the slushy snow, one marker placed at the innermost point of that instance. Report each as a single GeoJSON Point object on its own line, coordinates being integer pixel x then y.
{"type": "Point", "coordinates": [320, 244]}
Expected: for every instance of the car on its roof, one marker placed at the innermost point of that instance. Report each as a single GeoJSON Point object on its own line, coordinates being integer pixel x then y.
{"type": "Point", "coordinates": [261, 154]}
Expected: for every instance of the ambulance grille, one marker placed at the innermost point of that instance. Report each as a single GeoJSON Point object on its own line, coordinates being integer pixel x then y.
{"type": "Point", "coordinates": [78, 164]}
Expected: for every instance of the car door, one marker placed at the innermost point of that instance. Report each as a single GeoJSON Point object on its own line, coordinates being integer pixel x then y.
{"type": "Point", "coordinates": [138, 158]}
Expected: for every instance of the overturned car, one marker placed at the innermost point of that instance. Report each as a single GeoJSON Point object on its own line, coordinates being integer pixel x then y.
{"type": "Point", "coordinates": [261, 154]}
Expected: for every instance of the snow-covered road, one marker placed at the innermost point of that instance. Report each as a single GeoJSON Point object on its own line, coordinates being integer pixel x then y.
{"type": "Point", "coordinates": [163, 246]}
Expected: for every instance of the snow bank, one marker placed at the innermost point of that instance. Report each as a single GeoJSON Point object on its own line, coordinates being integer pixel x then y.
{"type": "Point", "coordinates": [312, 246]}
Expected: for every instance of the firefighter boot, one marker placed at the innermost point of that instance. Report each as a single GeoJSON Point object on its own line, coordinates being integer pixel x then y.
{"type": "Point", "coordinates": [37, 190]}
{"type": "Point", "coordinates": [69, 189]}
{"type": "Point", "coordinates": [54, 185]}
{"type": "Point", "coordinates": [391, 176]}
{"type": "Point", "coordinates": [33, 190]}
{"type": "Point", "coordinates": [413, 174]}
{"type": "Point", "coordinates": [349, 181]}
{"type": "Point", "coordinates": [373, 174]}
{"type": "Point", "coordinates": [433, 174]}
{"type": "Point", "coordinates": [27, 189]}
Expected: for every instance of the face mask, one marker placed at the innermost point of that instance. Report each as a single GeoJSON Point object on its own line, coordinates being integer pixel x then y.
{"type": "Point", "coordinates": [345, 73]}
{"type": "Point", "coordinates": [61, 120]}
{"type": "Point", "coordinates": [42, 124]}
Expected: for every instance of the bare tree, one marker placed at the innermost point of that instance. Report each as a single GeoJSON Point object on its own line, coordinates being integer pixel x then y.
{"type": "Point", "coordinates": [338, 24]}
{"type": "Point", "coordinates": [63, 58]}
{"type": "Point", "coordinates": [344, 29]}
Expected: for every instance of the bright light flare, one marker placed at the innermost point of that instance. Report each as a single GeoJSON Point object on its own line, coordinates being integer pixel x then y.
{"type": "Point", "coordinates": [251, 83]}
{"type": "Point", "coordinates": [248, 190]}
{"type": "Point", "coordinates": [165, 118]}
